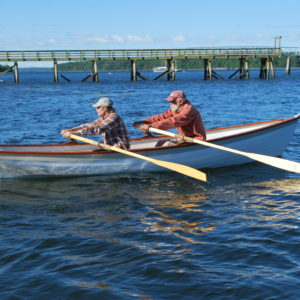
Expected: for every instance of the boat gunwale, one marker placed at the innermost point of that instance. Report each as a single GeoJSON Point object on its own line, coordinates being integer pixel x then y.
{"type": "Point", "coordinates": [101, 152]}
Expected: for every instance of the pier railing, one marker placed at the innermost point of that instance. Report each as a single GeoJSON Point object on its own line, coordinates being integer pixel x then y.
{"type": "Point", "coordinates": [266, 55]}
{"type": "Point", "coordinates": [189, 53]}
{"type": "Point", "coordinates": [290, 51]}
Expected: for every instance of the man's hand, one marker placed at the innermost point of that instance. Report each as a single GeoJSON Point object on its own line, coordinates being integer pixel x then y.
{"type": "Point", "coordinates": [146, 127]}
{"type": "Point", "coordinates": [138, 124]}
{"type": "Point", "coordinates": [66, 133]}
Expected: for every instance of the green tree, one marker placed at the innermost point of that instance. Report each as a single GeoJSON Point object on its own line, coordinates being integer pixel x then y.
{"type": "Point", "coordinates": [185, 64]}
{"type": "Point", "coordinates": [4, 68]}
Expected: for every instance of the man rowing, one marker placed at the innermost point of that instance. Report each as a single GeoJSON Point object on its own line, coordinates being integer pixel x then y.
{"type": "Point", "coordinates": [181, 115]}
{"type": "Point", "coordinates": [109, 124]}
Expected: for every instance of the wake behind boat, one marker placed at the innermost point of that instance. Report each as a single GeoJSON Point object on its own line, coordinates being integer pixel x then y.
{"type": "Point", "coordinates": [268, 138]}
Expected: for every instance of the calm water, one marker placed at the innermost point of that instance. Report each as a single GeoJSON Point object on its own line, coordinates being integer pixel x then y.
{"type": "Point", "coordinates": [149, 236]}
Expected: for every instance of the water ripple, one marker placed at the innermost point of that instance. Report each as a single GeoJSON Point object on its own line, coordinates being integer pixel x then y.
{"type": "Point", "coordinates": [149, 236]}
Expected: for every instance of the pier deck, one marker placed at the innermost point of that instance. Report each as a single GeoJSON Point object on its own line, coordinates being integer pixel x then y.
{"type": "Point", "coordinates": [189, 53]}
{"type": "Point", "coordinates": [265, 54]}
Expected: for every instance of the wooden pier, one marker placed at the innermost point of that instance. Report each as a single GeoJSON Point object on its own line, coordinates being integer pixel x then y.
{"type": "Point", "coordinates": [170, 56]}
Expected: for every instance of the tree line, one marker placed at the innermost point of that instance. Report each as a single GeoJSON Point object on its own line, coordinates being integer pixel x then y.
{"type": "Point", "coordinates": [4, 68]}
{"type": "Point", "coordinates": [188, 64]}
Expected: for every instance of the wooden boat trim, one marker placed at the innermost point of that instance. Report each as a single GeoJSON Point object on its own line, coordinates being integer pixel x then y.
{"type": "Point", "coordinates": [256, 123]}
{"type": "Point", "coordinates": [275, 123]}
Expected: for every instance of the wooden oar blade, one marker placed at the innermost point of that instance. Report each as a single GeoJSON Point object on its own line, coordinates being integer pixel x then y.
{"type": "Point", "coordinates": [281, 163]}
{"type": "Point", "coordinates": [277, 162]}
{"type": "Point", "coordinates": [185, 170]}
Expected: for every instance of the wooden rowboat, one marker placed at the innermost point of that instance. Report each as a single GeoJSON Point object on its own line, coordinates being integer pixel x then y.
{"type": "Point", "coordinates": [268, 138]}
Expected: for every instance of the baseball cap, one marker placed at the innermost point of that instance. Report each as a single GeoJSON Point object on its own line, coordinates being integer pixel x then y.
{"type": "Point", "coordinates": [176, 94]}
{"type": "Point", "coordinates": [105, 101]}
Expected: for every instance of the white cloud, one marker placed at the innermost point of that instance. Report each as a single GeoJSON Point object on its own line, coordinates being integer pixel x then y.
{"type": "Point", "coordinates": [292, 37]}
{"type": "Point", "coordinates": [234, 40]}
{"type": "Point", "coordinates": [117, 38]}
{"type": "Point", "coordinates": [82, 40]}
{"type": "Point", "coordinates": [51, 41]}
{"type": "Point", "coordinates": [97, 39]}
{"type": "Point", "coordinates": [134, 38]}
{"type": "Point", "coordinates": [178, 38]}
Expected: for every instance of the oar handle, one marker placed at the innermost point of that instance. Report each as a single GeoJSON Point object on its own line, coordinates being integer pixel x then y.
{"type": "Point", "coordinates": [89, 141]}
{"type": "Point", "coordinates": [107, 147]}
{"type": "Point", "coordinates": [145, 131]}
{"type": "Point", "coordinates": [192, 140]}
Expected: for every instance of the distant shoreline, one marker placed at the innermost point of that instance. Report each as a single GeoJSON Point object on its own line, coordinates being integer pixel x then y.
{"type": "Point", "coordinates": [50, 69]}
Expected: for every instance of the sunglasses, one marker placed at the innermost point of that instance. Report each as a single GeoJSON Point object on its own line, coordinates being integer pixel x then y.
{"type": "Point", "coordinates": [98, 107]}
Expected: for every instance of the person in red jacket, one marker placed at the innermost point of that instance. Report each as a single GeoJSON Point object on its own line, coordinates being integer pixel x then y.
{"type": "Point", "coordinates": [182, 115]}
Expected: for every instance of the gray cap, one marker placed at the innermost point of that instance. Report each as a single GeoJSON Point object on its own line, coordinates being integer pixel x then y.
{"type": "Point", "coordinates": [105, 101]}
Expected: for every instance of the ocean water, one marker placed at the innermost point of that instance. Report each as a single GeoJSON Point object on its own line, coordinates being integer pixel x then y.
{"type": "Point", "coordinates": [149, 236]}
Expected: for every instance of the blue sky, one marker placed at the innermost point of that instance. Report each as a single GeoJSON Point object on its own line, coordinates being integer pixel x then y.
{"type": "Point", "coordinates": [141, 24]}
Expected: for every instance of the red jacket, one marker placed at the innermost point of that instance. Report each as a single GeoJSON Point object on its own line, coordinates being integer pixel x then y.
{"type": "Point", "coordinates": [187, 121]}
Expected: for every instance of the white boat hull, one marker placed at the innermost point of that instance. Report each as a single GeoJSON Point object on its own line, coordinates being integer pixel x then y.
{"type": "Point", "coordinates": [269, 138]}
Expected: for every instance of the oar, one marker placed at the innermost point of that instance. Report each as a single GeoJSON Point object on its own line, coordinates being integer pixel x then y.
{"type": "Point", "coordinates": [188, 171]}
{"type": "Point", "coordinates": [276, 162]}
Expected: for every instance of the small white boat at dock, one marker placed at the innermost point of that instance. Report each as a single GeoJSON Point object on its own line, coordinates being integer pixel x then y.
{"type": "Point", "coordinates": [160, 69]}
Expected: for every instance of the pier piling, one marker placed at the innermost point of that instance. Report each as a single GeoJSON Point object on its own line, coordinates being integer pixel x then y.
{"type": "Point", "coordinates": [266, 68]}
{"type": "Point", "coordinates": [133, 74]}
{"type": "Point", "coordinates": [55, 70]}
{"type": "Point", "coordinates": [16, 72]}
{"type": "Point", "coordinates": [208, 69]}
{"type": "Point", "coordinates": [288, 66]}
{"type": "Point", "coordinates": [95, 71]}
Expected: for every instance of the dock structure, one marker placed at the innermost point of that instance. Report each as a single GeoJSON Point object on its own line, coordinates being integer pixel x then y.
{"type": "Point", "coordinates": [170, 56]}
{"type": "Point", "coordinates": [290, 52]}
